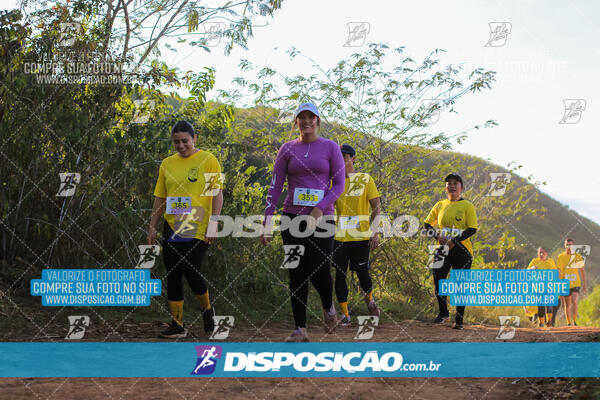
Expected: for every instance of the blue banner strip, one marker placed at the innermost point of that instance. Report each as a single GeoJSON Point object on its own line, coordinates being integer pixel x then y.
{"type": "Point", "coordinates": [324, 359]}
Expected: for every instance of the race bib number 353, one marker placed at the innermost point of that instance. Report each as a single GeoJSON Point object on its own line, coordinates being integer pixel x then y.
{"type": "Point", "coordinates": [307, 197]}
{"type": "Point", "coordinates": [179, 205]}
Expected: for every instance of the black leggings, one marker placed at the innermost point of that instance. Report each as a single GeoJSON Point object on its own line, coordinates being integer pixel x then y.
{"type": "Point", "coordinates": [554, 310]}
{"type": "Point", "coordinates": [357, 254]}
{"type": "Point", "coordinates": [183, 258]}
{"type": "Point", "coordinates": [313, 265]}
{"type": "Point", "coordinates": [542, 313]}
{"type": "Point", "coordinates": [458, 258]}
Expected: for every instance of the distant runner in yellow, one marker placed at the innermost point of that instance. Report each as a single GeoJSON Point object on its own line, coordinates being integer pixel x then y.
{"type": "Point", "coordinates": [542, 261]}
{"type": "Point", "coordinates": [571, 267]}
{"type": "Point", "coordinates": [353, 237]}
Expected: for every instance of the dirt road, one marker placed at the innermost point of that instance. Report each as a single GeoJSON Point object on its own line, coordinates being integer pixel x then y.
{"type": "Point", "coordinates": [313, 388]}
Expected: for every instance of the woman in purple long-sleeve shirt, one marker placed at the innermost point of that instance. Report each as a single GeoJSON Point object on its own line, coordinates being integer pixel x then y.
{"type": "Point", "coordinates": [314, 169]}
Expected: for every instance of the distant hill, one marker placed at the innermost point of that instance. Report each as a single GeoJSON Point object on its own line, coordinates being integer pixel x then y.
{"type": "Point", "coordinates": [550, 230]}
{"type": "Point", "coordinates": [268, 128]}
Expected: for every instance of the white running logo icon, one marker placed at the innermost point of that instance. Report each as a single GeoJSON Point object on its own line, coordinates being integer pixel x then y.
{"type": "Point", "coordinates": [206, 362]}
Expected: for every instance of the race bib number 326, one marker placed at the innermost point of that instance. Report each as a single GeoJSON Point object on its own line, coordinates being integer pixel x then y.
{"type": "Point", "coordinates": [179, 205]}
{"type": "Point", "coordinates": [307, 197]}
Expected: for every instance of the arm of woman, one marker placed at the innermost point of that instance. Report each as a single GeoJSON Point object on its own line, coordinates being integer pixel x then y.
{"type": "Point", "coordinates": [430, 221]}
{"type": "Point", "coordinates": [277, 181]}
{"type": "Point", "coordinates": [467, 233]}
{"type": "Point", "coordinates": [337, 174]}
{"type": "Point", "coordinates": [429, 231]}
{"type": "Point", "coordinates": [375, 211]}
{"type": "Point", "coordinates": [158, 209]}
{"type": "Point", "coordinates": [217, 206]}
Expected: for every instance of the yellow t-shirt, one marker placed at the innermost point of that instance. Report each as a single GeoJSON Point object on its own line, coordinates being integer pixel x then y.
{"type": "Point", "coordinates": [197, 176]}
{"type": "Point", "coordinates": [538, 263]}
{"type": "Point", "coordinates": [352, 208]}
{"type": "Point", "coordinates": [453, 217]}
{"type": "Point", "coordinates": [565, 264]}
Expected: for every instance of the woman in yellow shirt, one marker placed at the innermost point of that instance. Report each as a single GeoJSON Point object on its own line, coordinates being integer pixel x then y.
{"type": "Point", "coordinates": [542, 261]}
{"type": "Point", "coordinates": [457, 221]}
{"type": "Point", "coordinates": [188, 192]}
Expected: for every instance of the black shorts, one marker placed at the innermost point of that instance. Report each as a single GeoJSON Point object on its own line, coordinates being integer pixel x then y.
{"type": "Point", "coordinates": [574, 290]}
{"type": "Point", "coordinates": [457, 258]}
{"type": "Point", "coordinates": [355, 252]}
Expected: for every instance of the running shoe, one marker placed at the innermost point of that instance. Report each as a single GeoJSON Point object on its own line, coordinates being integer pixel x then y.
{"type": "Point", "coordinates": [458, 325]}
{"type": "Point", "coordinates": [330, 319]}
{"type": "Point", "coordinates": [345, 321]}
{"type": "Point", "coordinates": [174, 331]}
{"type": "Point", "coordinates": [298, 335]}
{"type": "Point", "coordinates": [440, 319]}
{"type": "Point", "coordinates": [574, 323]}
{"type": "Point", "coordinates": [373, 309]}
{"type": "Point", "coordinates": [209, 322]}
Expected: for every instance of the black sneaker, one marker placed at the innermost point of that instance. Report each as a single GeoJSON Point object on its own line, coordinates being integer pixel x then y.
{"type": "Point", "coordinates": [458, 325]}
{"type": "Point", "coordinates": [440, 319]}
{"type": "Point", "coordinates": [174, 331]}
{"type": "Point", "coordinates": [209, 322]}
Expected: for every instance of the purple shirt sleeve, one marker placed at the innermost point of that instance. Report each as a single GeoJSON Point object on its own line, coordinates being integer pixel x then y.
{"type": "Point", "coordinates": [279, 176]}
{"type": "Point", "coordinates": [337, 174]}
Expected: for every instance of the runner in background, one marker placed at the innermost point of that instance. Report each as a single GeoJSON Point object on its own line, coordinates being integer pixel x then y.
{"type": "Point", "coordinates": [188, 192]}
{"type": "Point", "coordinates": [314, 169]}
{"type": "Point", "coordinates": [539, 314]}
{"type": "Point", "coordinates": [353, 236]}
{"type": "Point", "coordinates": [571, 267]}
{"type": "Point", "coordinates": [457, 220]}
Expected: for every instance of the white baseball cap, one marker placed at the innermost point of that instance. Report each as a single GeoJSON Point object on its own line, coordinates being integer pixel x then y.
{"type": "Point", "coordinates": [307, 107]}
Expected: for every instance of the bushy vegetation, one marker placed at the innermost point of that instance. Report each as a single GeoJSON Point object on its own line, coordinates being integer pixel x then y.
{"type": "Point", "coordinates": [92, 130]}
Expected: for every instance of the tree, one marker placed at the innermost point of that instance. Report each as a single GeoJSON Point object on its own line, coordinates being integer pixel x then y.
{"type": "Point", "coordinates": [132, 32]}
{"type": "Point", "coordinates": [77, 127]}
{"type": "Point", "coordinates": [385, 104]}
